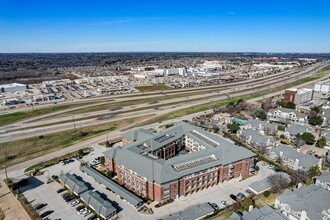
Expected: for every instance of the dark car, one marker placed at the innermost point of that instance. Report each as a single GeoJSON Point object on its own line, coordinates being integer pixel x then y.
{"type": "Point", "coordinates": [46, 213]}
{"type": "Point", "coordinates": [80, 207]}
{"type": "Point", "coordinates": [60, 190]}
{"type": "Point", "coordinates": [92, 217]}
{"type": "Point", "coordinates": [69, 198]}
{"type": "Point", "coordinates": [215, 206]}
{"type": "Point", "coordinates": [249, 191]}
{"type": "Point", "coordinates": [40, 206]}
{"type": "Point", "coordinates": [54, 177]}
{"type": "Point", "coordinates": [233, 197]}
{"type": "Point", "coordinates": [65, 195]}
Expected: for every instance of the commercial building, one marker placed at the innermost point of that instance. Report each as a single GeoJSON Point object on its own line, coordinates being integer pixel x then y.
{"type": "Point", "coordinates": [74, 185]}
{"type": "Point", "coordinates": [322, 87]}
{"type": "Point", "coordinates": [181, 160]}
{"type": "Point", "coordinates": [13, 87]}
{"type": "Point", "coordinates": [175, 71]}
{"type": "Point", "coordinates": [298, 96]}
{"type": "Point", "coordinates": [307, 202]}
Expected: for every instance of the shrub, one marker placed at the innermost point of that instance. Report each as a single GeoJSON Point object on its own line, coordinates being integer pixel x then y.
{"type": "Point", "coordinates": [282, 136]}
{"type": "Point", "coordinates": [266, 194]}
{"type": "Point", "coordinates": [257, 168]}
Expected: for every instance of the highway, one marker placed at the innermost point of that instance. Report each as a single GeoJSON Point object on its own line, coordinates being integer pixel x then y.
{"type": "Point", "coordinates": [51, 125]}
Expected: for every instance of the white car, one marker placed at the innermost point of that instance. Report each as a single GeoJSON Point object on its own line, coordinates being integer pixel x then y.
{"type": "Point", "coordinates": [74, 203]}
{"type": "Point", "coordinates": [82, 211]}
{"type": "Point", "coordinates": [86, 213]}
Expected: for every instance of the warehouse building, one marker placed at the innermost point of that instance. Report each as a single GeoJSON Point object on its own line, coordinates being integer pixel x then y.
{"type": "Point", "coordinates": [13, 87]}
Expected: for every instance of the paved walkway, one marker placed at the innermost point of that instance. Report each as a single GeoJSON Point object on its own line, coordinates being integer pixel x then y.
{"type": "Point", "coordinates": [10, 206]}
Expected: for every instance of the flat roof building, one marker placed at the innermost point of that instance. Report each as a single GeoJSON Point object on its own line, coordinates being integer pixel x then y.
{"type": "Point", "coordinates": [13, 87]}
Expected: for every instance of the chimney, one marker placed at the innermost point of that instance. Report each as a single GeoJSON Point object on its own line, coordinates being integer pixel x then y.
{"type": "Point", "coordinates": [298, 150]}
{"type": "Point", "coordinates": [281, 154]}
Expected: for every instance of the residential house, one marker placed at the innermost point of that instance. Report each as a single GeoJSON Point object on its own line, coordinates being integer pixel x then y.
{"type": "Point", "coordinates": [262, 126]}
{"type": "Point", "coordinates": [255, 138]}
{"type": "Point", "coordinates": [307, 202]}
{"type": "Point", "coordinates": [293, 129]}
{"type": "Point", "coordinates": [294, 159]}
{"type": "Point", "coordinates": [263, 213]}
{"type": "Point", "coordinates": [223, 118]}
{"type": "Point", "coordinates": [285, 115]}
{"type": "Point", "coordinates": [323, 180]}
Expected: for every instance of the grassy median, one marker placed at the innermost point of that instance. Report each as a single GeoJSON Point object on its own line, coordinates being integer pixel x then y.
{"type": "Point", "coordinates": [26, 149]}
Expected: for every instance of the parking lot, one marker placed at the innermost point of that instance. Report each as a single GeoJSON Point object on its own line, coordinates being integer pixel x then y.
{"type": "Point", "coordinates": [39, 192]}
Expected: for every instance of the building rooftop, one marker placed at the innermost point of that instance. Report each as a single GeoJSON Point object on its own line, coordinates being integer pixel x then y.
{"type": "Point", "coordinates": [134, 158]}
{"type": "Point", "coordinates": [73, 183]}
{"type": "Point", "coordinates": [257, 123]}
{"type": "Point", "coordinates": [264, 213]}
{"type": "Point", "coordinates": [294, 129]}
{"type": "Point", "coordinates": [324, 177]}
{"type": "Point", "coordinates": [313, 199]}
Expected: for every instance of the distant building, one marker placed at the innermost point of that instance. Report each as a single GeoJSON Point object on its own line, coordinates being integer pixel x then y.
{"type": "Point", "coordinates": [298, 96]}
{"type": "Point", "coordinates": [175, 71]}
{"type": "Point", "coordinates": [307, 202]}
{"type": "Point", "coordinates": [13, 87]}
{"type": "Point", "coordinates": [322, 87]}
{"type": "Point", "coordinates": [11, 101]}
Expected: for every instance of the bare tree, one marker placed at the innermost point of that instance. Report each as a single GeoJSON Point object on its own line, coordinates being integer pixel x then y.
{"type": "Point", "coordinates": [299, 176]}
{"type": "Point", "coordinates": [279, 159]}
{"type": "Point", "coordinates": [269, 131]}
{"type": "Point", "coordinates": [277, 182]}
{"type": "Point", "coordinates": [298, 141]}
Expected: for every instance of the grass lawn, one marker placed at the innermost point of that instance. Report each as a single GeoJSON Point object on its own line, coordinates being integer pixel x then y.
{"type": "Point", "coordinates": [26, 149]}
{"type": "Point", "coordinates": [153, 88]}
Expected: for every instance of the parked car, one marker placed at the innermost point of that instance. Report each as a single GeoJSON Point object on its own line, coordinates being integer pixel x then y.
{"type": "Point", "coordinates": [240, 196]}
{"type": "Point", "coordinates": [60, 190]}
{"type": "Point", "coordinates": [80, 207]}
{"type": "Point", "coordinates": [74, 203]}
{"type": "Point", "coordinates": [249, 191]}
{"type": "Point", "coordinates": [271, 166]}
{"type": "Point", "coordinates": [224, 202]}
{"type": "Point", "coordinates": [69, 198]}
{"type": "Point", "coordinates": [40, 206]}
{"type": "Point", "coordinates": [65, 195]}
{"type": "Point", "coordinates": [43, 215]}
{"type": "Point", "coordinates": [215, 206]}
{"type": "Point", "coordinates": [54, 177]}
{"type": "Point", "coordinates": [233, 197]}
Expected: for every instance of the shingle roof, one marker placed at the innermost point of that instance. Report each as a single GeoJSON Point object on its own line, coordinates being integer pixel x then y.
{"type": "Point", "coordinates": [138, 133]}
{"type": "Point", "coordinates": [100, 205]}
{"type": "Point", "coordinates": [313, 199]}
{"type": "Point", "coordinates": [324, 177]}
{"type": "Point", "coordinates": [256, 123]}
{"type": "Point", "coordinates": [294, 129]}
{"type": "Point", "coordinates": [113, 186]}
{"type": "Point", "coordinates": [193, 212]}
{"type": "Point", "coordinates": [263, 185]}
{"type": "Point", "coordinates": [264, 213]}
{"type": "Point", "coordinates": [305, 160]}
{"type": "Point", "coordinates": [162, 170]}
{"type": "Point", "coordinates": [71, 181]}
{"type": "Point", "coordinates": [256, 136]}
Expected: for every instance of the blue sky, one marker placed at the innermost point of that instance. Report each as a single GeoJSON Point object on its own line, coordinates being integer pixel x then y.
{"type": "Point", "coordinates": [141, 25]}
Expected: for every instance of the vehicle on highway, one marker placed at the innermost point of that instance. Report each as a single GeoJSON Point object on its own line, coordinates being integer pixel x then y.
{"type": "Point", "coordinates": [60, 190]}
{"type": "Point", "coordinates": [46, 213]}
{"type": "Point", "coordinates": [233, 197]}
{"type": "Point", "coordinates": [40, 206]}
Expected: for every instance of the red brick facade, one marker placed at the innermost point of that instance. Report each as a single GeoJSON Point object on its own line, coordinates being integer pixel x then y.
{"type": "Point", "coordinates": [181, 187]}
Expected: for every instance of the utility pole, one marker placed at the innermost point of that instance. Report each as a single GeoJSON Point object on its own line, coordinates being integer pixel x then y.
{"type": "Point", "coordinates": [74, 123]}
{"type": "Point", "coordinates": [4, 166]}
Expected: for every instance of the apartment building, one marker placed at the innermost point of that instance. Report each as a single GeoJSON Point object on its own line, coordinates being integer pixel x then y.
{"type": "Point", "coordinates": [181, 160]}
{"type": "Point", "coordinates": [298, 96]}
{"type": "Point", "coordinates": [285, 115]}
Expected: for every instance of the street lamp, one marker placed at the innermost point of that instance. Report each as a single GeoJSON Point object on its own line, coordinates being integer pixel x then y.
{"type": "Point", "coordinates": [74, 123]}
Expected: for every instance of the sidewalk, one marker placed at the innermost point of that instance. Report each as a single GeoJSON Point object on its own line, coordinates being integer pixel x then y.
{"type": "Point", "coordinates": [10, 206]}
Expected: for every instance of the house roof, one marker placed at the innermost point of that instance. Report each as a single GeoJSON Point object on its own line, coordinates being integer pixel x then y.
{"type": "Point", "coordinates": [263, 185]}
{"type": "Point", "coordinates": [256, 136]}
{"type": "Point", "coordinates": [313, 199]}
{"type": "Point", "coordinates": [324, 177]}
{"type": "Point", "coordinates": [193, 212]}
{"type": "Point", "coordinates": [113, 186]}
{"type": "Point", "coordinates": [305, 160]}
{"type": "Point", "coordinates": [136, 159]}
{"type": "Point", "coordinates": [100, 205]}
{"type": "Point", "coordinates": [264, 213]}
{"type": "Point", "coordinates": [256, 123]}
{"type": "Point", "coordinates": [287, 110]}
{"type": "Point", "coordinates": [72, 182]}
{"type": "Point", "coordinates": [294, 129]}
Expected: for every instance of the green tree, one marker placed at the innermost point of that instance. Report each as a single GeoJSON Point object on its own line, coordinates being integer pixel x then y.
{"type": "Point", "coordinates": [316, 109]}
{"type": "Point", "coordinates": [290, 105]}
{"type": "Point", "coordinates": [246, 203]}
{"type": "Point", "coordinates": [315, 120]}
{"type": "Point", "coordinates": [308, 138]}
{"type": "Point", "coordinates": [260, 114]}
{"type": "Point", "coordinates": [321, 142]}
{"type": "Point", "coordinates": [314, 171]}
{"type": "Point", "coordinates": [102, 160]}
{"type": "Point", "coordinates": [233, 128]}
{"type": "Point", "coordinates": [281, 127]}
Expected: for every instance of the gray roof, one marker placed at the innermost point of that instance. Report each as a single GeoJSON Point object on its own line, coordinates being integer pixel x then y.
{"type": "Point", "coordinates": [193, 212]}
{"type": "Point", "coordinates": [263, 185]}
{"type": "Point", "coordinates": [294, 129]}
{"type": "Point", "coordinates": [137, 134]}
{"type": "Point", "coordinates": [326, 134]}
{"type": "Point", "coordinates": [264, 213]}
{"type": "Point", "coordinates": [71, 181]}
{"type": "Point", "coordinates": [113, 186]}
{"type": "Point", "coordinates": [235, 216]}
{"type": "Point", "coordinates": [133, 158]}
{"type": "Point", "coordinates": [324, 177]}
{"type": "Point", "coordinates": [305, 160]}
{"type": "Point", "coordinates": [313, 199]}
{"type": "Point", "coordinates": [100, 205]}
{"type": "Point", "coordinates": [256, 123]}
{"type": "Point", "coordinates": [256, 136]}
